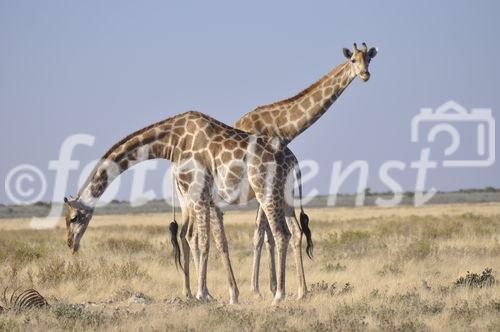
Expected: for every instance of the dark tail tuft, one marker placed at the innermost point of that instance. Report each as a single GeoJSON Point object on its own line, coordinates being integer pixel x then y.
{"type": "Point", "coordinates": [173, 228]}
{"type": "Point", "coordinates": [304, 224]}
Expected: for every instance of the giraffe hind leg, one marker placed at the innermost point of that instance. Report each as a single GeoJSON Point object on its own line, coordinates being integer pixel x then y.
{"type": "Point", "coordinates": [202, 226]}
{"type": "Point", "coordinates": [294, 228]}
{"type": "Point", "coordinates": [217, 226]}
{"type": "Point", "coordinates": [186, 287]}
{"type": "Point", "coordinates": [281, 234]}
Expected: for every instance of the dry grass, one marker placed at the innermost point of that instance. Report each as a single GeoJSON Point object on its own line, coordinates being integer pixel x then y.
{"type": "Point", "coordinates": [374, 268]}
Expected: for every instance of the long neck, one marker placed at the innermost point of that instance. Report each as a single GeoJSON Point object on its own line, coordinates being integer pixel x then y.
{"type": "Point", "coordinates": [151, 142]}
{"type": "Point", "coordinates": [289, 118]}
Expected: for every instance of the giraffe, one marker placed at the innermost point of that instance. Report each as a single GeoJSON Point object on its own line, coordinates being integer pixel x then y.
{"type": "Point", "coordinates": [211, 153]}
{"type": "Point", "coordinates": [288, 118]}
{"type": "Point", "coordinates": [285, 120]}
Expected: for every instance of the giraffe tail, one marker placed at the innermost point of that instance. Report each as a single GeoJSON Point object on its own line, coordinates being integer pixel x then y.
{"type": "Point", "coordinates": [173, 228]}
{"type": "Point", "coordinates": [304, 218]}
{"type": "Point", "coordinates": [304, 224]}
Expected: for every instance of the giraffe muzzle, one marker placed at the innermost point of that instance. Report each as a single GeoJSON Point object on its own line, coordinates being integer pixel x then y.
{"type": "Point", "coordinates": [365, 76]}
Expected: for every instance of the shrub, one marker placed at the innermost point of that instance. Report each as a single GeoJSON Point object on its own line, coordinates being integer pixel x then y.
{"type": "Point", "coordinates": [330, 288]}
{"type": "Point", "coordinates": [474, 280]}
{"type": "Point", "coordinates": [330, 267]}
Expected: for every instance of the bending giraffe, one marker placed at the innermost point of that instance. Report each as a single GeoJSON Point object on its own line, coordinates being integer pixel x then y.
{"type": "Point", "coordinates": [216, 154]}
{"type": "Point", "coordinates": [286, 120]}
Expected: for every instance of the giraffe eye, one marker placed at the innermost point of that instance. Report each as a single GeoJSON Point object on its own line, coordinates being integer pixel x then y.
{"type": "Point", "coordinates": [353, 60]}
{"type": "Point", "coordinates": [74, 219]}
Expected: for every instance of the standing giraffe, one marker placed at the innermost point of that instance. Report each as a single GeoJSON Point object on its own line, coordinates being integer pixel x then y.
{"type": "Point", "coordinates": [285, 120]}
{"type": "Point", "coordinates": [210, 152]}
{"type": "Point", "coordinates": [288, 118]}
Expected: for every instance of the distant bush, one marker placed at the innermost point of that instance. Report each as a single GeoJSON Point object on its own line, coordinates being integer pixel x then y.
{"type": "Point", "coordinates": [42, 204]}
{"type": "Point", "coordinates": [488, 189]}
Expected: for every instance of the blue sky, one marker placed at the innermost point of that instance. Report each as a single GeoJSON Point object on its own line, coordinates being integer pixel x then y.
{"type": "Point", "coordinates": [107, 68]}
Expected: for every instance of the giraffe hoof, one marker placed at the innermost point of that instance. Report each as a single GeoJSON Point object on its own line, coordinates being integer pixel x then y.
{"type": "Point", "coordinates": [276, 301]}
{"type": "Point", "coordinates": [256, 291]}
{"type": "Point", "coordinates": [302, 293]}
{"type": "Point", "coordinates": [273, 289]}
{"type": "Point", "coordinates": [278, 298]}
{"type": "Point", "coordinates": [204, 297]}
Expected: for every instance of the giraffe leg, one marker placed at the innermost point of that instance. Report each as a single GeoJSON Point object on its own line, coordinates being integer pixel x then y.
{"type": "Point", "coordinates": [196, 252]}
{"type": "Point", "coordinates": [281, 234]}
{"type": "Point", "coordinates": [192, 239]}
{"type": "Point", "coordinates": [186, 287]}
{"type": "Point", "coordinates": [258, 241]}
{"type": "Point", "coordinates": [293, 226]}
{"type": "Point", "coordinates": [216, 223]}
{"type": "Point", "coordinates": [270, 245]}
{"type": "Point", "coordinates": [185, 235]}
{"type": "Point", "coordinates": [262, 231]}
{"type": "Point", "coordinates": [202, 212]}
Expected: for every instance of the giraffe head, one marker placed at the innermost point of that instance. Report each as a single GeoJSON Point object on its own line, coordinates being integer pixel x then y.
{"type": "Point", "coordinates": [78, 216]}
{"type": "Point", "coordinates": [360, 60]}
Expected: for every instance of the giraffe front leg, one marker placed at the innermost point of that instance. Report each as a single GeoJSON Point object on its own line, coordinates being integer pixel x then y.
{"type": "Point", "coordinates": [219, 234]}
{"type": "Point", "coordinates": [270, 245]}
{"type": "Point", "coordinates": [192, 239]}
{"type": "Point", "coordinates": [203, 233]}
{"type": "Point", "coordinates": [258, 241]}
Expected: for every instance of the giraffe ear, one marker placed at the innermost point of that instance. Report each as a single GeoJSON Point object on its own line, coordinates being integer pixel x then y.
{"type": "Point", "coordinates": [372, 52]}
{"type": "Point", "coordinates": [347, 52]}
{"type": "Point", "coordinates": [66, 201]}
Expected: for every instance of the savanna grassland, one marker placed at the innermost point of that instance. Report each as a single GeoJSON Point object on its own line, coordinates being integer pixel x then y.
{"type": "Point", "coordinates": [374, 269]}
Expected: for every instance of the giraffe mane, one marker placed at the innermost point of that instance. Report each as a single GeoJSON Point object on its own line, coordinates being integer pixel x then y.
{"type": "Point", "coordinates": [130, 136]}
{"type": "Point", "coordinates": [307, 90]}
{"type": "Point", "coordinates": [115, 146]}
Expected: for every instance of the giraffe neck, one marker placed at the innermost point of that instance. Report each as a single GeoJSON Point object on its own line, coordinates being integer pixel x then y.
{"type": "Point", "coordinates": [289, 118]}
{"type": "Point", "coordinates": [151, 142]}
